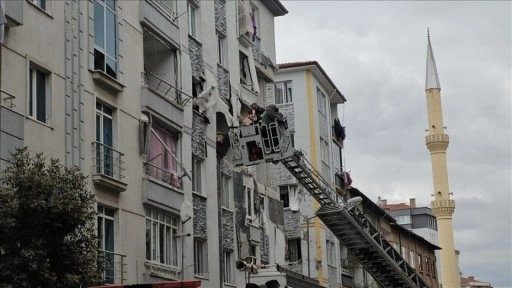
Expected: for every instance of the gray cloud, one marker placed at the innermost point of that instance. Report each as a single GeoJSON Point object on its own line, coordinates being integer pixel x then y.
{"type": "Point", "coordinates": [375, 52]}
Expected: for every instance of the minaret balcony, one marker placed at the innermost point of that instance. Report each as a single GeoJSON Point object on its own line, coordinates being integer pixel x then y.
{"type": "Point", "coordinates": [437, 142]}
{"type": "Point", "coordinates": [443, 207]}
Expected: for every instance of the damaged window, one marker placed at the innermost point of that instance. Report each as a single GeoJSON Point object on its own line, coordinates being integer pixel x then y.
{"type": "Point", "coordinates": [293, 250]}
{"type": "Point", "coordinates": [162, 161]}
{"type": "Point", "coordinates": [245, 70]}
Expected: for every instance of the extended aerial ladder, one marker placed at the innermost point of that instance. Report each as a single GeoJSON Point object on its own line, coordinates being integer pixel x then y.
{"type": "Point", "coordinates": [260, 143]}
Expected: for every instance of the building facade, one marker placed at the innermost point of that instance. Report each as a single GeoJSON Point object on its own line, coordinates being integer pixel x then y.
{"type": "Point", "coordinates": [139, 94]}
{"type": "Point", "coordinates": [309, 100]}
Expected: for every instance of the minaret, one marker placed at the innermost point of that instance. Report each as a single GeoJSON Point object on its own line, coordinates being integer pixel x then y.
{"type": "Point", "coordinates": [437, 143]}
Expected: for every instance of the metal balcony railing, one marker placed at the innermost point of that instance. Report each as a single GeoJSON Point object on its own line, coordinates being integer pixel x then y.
{"type": "Point", "coordinates": [114, 267]}
{"type": "Point", "coordinates": [165, 89]}
{"type": "Point", "coordinates": [108, 161]}
{"type": "Point", "coordinates": [163, 175]}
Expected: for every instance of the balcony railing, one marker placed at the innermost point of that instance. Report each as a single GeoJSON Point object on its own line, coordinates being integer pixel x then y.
{"type": "Point", "coordinates": [165, 89]}
{"type": "Point", "coordinates": [108, 161]}
{"type": "Point", "coordinates": [114, 267]}
{"type": "Point", "coordinates": [163, 175]}
{"type": "Point", "coordinates": [164, 6]}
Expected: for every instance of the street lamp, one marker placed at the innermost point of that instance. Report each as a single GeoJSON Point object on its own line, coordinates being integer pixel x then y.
{"type": "Point", "coordinates": [307, 219]}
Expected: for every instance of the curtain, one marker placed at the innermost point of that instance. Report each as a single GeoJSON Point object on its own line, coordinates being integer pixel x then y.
{"type": "Point", "coordinates": [163, 165]}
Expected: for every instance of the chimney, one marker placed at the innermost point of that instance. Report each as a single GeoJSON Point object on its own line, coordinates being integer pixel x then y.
{"type": "Point", "coordinates": [412, 202]}
{"type": "Point", "coordinates": [471, 278]}
{"type": "Point", "coordinates": [384, 202]}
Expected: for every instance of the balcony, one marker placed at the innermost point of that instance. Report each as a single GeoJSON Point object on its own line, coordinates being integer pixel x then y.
{"type": "Point", "coordinates": [161, 18]}
{"type": "Point", "coordinates": [114, 267]}
{"type": "Point", "coordinates": [14, 13]}
{"type": "Point", "coordinates": [163, 97]}
{"type": "Point", "coordinates": [108, 167]}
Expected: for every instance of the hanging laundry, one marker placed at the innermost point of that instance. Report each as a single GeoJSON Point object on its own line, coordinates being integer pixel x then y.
{"type": "Point", "coordinates": [347, 179]}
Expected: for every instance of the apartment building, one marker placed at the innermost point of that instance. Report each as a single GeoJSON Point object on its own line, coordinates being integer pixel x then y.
{"type": "Point", "coordinates": [417, 251]}
{"type": "Point", "coordinates": [140, 95]}
{"type": "Point", "coordinates": [307, 96]}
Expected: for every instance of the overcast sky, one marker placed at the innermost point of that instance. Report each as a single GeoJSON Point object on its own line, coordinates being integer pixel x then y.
{"type": "Point", "coordinates": [375, 52]}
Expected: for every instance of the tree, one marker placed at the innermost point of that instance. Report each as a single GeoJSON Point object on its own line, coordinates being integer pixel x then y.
{"type": "Point", "coordinates": [47, 236]}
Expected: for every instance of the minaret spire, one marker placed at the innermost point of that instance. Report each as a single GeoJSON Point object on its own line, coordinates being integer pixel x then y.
{"type": "Point", "coordinates": [432, 79]}
{"type": "Point", "coordinates": [437, 143]}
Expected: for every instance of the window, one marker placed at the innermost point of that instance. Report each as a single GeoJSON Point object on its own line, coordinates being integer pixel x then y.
{"type": "Point", "coordinates": [255, 21]}
{"type": "Point", "coordinates": [105, 37]}
{"type": "Point", "coordinates": [200, 257]}
{"type": "Point", "coordinates": [292, 138]}
{"type": "Point", "coordinates": [197, 171]}
{"type": "Point", "coordinates": [166, 6]}
{"type": "Point", "coordinates": [252, 255]}
{"type": "Point", "coordinates": [427, 265]}
{"type": "Point", "coordinates": [104, 140]}
{"type": "Point", "coordinates": [228, 267]}
{"type": "Point", "coordinates": [412, 258]}
{"type": "Point", "coordinates": [405, 219]}
{"type": "Point", "coordinates": [225, 182]}
{"type": "Point", "coordinates": [245, 70]}
{"type": "Point", "coordinates": [40, 3]}
{"type": "Point", "coordinates": [294, 250]}
{"type": "Point", "coordinates": [321, 101]}
{"type": "Point", "coordinates": [331, 252]}
{"type": "Point", "coordinates": [283, 92]}
{"type": "Point", "coordinates": [161, 243]}
{"type": "Point", "coordinates": [192, 19]}
{"type": "Point", "coordinates": [37, 96]}
{"type": "Point", "coordinates": [420, 263]}
{"type": "Point", "coordinates": [221, 54]}
{"type": "Point", "coordinates": [162, 160]}
{"type": "Point", "coordinates": [288, 195]}
{"type": "Point", "coordinates": [324, 150]}
{"type": "Point", "coordinates": [105, 230]}
{"type": "Point", "coordinates": [249, 204]}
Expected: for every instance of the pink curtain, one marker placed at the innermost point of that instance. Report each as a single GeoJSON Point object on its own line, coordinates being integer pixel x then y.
{"type": "Point", "coordinates": [163, 166]}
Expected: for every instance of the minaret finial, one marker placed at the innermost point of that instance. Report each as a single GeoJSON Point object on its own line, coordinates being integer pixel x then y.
{"type": "Point", "coordinates": [428, 34]}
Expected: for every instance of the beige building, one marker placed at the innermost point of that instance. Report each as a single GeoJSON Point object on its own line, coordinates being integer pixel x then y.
{"type": "Point", "coordinates": [135, 93]}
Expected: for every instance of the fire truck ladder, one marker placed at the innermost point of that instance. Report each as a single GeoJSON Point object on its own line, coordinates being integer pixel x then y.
{"type": "Point", "coordinates": [353, 229]}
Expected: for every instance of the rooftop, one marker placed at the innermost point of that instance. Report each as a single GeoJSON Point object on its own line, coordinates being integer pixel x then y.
{"type": "Point", "coordinates": [315, 64]}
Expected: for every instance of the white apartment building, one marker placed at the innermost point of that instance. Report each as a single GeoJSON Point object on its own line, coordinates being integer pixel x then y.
{"type": "Point", "coordinates": [140, 95]}
{"type": "Point", "coordinates": [309, 99]}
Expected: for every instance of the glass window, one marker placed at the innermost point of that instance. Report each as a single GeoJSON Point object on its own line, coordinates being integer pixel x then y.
{"type": "Point", "coordinates": [105, 232]}
{"type": "Point", "coordinates": [200, 257]}
{"type": "Point", "coordinates": [104, 140]}
{"type": "Point", "coordinates": [40, 3]}
{"type": "Point", "coordinates": [226, 190]}
{"type": "Point", "coordinates": [197, 170]}
{"type": "Point", "coordinates": [283, 92]}
{"type": "Point", "coordinates": [220, 49]}
{"type": "Point", "coordinates": [37, 105]}
{"type": "Point", "coordinates": [330, 252]}
{"type": "Point", "coordinates": [105, 37]}
{"type": "Point", "coordinates": [161, 243]}
{"type": "Point", "coordinates": [321, 101]}
{"type": "Point", "coordinates": [324, 150]}
{"type": "Point", "coordinates": [192, 20]}
{"type": "Point", "coordinates": [162, 156]}
{"type": "Point", "coordinates": [405, 219]}
{"type": "Point", "coordinates": [249, 203]}
{"type": "Point", "coordinates": [294, 251]}
{"type": "Point", "coordinates": [228, 267]}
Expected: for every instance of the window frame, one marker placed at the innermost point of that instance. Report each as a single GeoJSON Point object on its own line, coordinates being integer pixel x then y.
{"type": "Point", "coordinates": [221, 49]}
{"type": "Point", "coordinates": [197, 175]}
{"type": "Point", "coordinates": [103, 50]}
{"type": "Point", "coordinates": [331, 252]}
{"type": "Point", "coordinates": [227, 196]}
{"type": "Point", "coordinates": [287, 92]}
{"type": "Point", "coordinates": [294, 252]}
{"type": "Point", "coordinates": [193, 11]}
{"type": "Point", "coordinates": [170, 247]}
{"type": "Point", "coordinates": [403, 219]}
{"type": "Point", "coordinates": [228, 275]}
{"type": "Point", "coordinates": [33, 101]}
{"type": "Point", "coordinates": [289, 189]}
{"type": "Point", "coordinates": [40, 3]}
{"type": "Point", "coordinates": [249, 202]}
{"type": "Point", "coordinates": [324, 150]}
{"type": "Point", "coordinates": [109, 272]}
{"type": "Point", "coordinates": [321, 101]}
{"type": "Point", "coordinates": [200, 257]}
{"type": "Point", "coordinates": [173, 179]}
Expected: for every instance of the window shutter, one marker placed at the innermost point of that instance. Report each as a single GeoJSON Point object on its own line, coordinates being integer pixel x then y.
{"type": "Point", "coordinates": [270, 93]}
